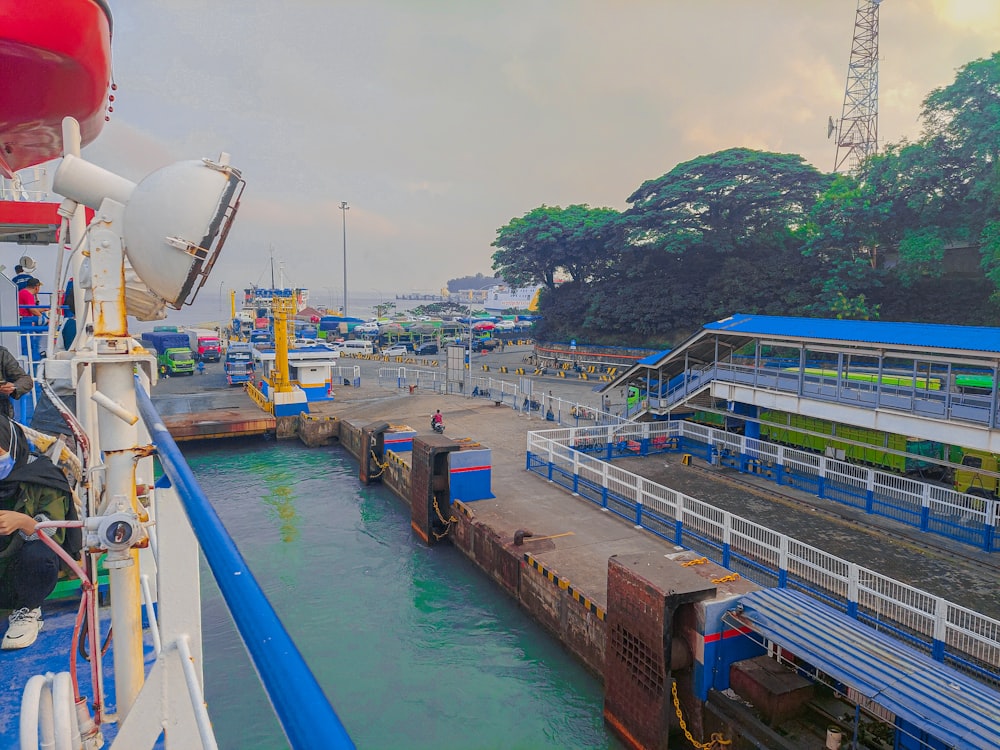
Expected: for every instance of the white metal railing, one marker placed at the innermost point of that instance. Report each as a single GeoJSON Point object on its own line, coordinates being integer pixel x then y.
{"type": "Point", "coordinates": [534, 403]}
{"type": "Point", "coordinates": [944, 402]}
{"type": "Point", "coordinates": [931, 508]}
{"type": "Point", "coordinates": [941, 627]}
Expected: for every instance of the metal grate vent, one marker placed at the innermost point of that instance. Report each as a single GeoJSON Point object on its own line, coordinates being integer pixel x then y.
{"type": "Point", "coordinates": [638, 659]}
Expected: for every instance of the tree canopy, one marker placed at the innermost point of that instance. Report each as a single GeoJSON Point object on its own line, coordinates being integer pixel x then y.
{"type": "Point", "coordinates": [577, 242]}
{"type": "Point", "coordinates": [758, 232]}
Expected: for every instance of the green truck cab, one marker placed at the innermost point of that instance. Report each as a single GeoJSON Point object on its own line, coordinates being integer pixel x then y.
{"type": "Point", "coordinates": [173, 353]}
{"type": "Point", "coordinates": [177, 361]}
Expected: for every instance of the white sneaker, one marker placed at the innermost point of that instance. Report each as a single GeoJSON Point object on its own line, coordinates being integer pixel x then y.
{"type": "Point", "coordinates": [23, 629]}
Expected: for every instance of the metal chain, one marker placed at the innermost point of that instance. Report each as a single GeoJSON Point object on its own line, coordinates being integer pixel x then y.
{"type": "Point", "coordinates": [717, 741]}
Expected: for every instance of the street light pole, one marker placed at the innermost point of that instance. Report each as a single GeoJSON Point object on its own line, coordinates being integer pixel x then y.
{"type": "Point", "coordinates": [343, 210]}
{"type": "Point", "coordinates": [468, 380]}
{"type": "Point", "coordinates": [468, 375]}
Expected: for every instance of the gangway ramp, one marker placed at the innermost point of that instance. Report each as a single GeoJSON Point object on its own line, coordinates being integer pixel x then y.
{"type": "Point", "coordinates": [929, 696]}
{"type": "Point", "coordinates": [900, 378]}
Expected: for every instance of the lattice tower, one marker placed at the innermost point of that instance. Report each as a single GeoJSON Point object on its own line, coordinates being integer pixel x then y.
{"type": "Point", "coordinates": [857, 130]}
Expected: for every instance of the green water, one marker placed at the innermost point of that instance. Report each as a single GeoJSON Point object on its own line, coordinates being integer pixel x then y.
{"type": "Point", "coordinates": [414, 646]}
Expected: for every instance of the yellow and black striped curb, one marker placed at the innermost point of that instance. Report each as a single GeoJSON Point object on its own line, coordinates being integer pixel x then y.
{"type": "Point", "coordinates": [462, 508]}
{"type": "Point", "coordinates": [564, 584]}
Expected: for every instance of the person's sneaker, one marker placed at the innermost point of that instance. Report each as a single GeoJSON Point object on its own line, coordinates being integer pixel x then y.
{"type": "Point", "coordinates": [23, 629]}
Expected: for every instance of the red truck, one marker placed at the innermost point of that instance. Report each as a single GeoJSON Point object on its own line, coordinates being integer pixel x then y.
{"type": "Point", "coordinates": [205, 345]}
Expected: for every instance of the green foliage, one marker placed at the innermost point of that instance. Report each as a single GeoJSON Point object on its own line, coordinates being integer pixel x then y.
{"type": "Point", "coordinates": [855, 308]}
{"type": "Point", "coordinates": [577, 241]}
{"type": "Point", "coordinates": [727, 201]}
{"type": "Point", "coordinates": [757, 232]}
{"type": "Point", "coordinates": [463, 283]}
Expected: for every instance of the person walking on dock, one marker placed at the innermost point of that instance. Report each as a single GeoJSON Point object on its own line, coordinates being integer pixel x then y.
{"type": "Point", "coordinates": [30, 492]}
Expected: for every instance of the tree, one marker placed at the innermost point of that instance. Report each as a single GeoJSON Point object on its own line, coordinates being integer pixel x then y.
{"type": "Point", "coordinates": [725, 201]}
{"type": "Point", "coordinates": [964, 120]}
{"type": "Point", "coordinates": [716, 235]}
{"type": "Point", "coordinates": [578, 241]}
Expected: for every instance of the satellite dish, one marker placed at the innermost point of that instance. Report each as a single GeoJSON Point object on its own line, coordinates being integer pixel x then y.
{"type": "Point", "coordinates": [175, 221]}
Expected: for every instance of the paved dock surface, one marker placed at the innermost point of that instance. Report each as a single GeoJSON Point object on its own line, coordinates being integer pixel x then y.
{"type": "Point", "coordinates": [524, 501]}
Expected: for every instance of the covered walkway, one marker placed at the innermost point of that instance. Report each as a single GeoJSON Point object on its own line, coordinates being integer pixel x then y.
{"type": "Point", "coordinates": [920, 380]}
{"type": "Point", "coordinates": [934, 705]}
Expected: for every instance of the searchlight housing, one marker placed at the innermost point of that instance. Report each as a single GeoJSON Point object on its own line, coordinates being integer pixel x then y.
{"type": "Point", "coordinates": [175, 222]}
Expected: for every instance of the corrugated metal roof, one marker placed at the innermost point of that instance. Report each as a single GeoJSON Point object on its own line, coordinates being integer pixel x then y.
{"type": "Point", "coordinates": [974, 338]}
{"type": "Point", "coordinates": [654, 358]}
{"type": "Point", "coordinates": [943, 702]}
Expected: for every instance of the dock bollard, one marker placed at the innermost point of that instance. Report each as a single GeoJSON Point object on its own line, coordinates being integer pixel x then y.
{"type": "Point", "coordinates": [686, 459]}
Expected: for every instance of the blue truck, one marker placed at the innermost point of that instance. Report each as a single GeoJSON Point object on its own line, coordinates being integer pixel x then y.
{"type": "Point", "coordinates": [238, 363]}
{"type": "Point", "coordinates": [173, 351]}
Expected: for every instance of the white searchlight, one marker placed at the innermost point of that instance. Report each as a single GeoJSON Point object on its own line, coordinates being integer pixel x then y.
{"type": "Point", "coordinates": [173, 226]}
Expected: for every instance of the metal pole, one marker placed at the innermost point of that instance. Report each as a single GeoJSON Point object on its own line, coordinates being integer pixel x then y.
{"type": "Point", "coordinates": [468, 373]}
{"type": "Point", "coordinates": [343, 211]}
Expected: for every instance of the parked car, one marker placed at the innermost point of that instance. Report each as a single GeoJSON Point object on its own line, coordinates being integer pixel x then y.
{"type": "Point", "coordinates": [370, 327]}
{"type": "Point", "coordinates": [488, 345]}
{"type": "Point", "coordinates": [506, 325]}
{"type": "Point", "coordinates": [396, 350]}
{"type": "Point", "coordinates": [428, 347]}
{"type": "Point", "coordinates": [333, 346]}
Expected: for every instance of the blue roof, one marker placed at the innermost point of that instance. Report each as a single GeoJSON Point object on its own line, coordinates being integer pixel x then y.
{"type": "Point", "coordinates": [653, 359]}
{"type": "Point", "coordinates": [974, 338]}
{"type": "Point", "coordinates": [930, 695]}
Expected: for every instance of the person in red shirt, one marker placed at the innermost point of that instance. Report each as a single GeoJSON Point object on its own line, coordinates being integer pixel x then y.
{"type": "Point", "coordinates": [30, 315]}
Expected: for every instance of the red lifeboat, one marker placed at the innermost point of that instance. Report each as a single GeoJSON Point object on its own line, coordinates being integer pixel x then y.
{"type": "Point", "coordinates": [55, 58]}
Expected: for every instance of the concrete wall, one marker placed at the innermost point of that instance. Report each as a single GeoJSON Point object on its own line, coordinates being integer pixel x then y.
{"type": "Point", "coordinates": [548, 599]}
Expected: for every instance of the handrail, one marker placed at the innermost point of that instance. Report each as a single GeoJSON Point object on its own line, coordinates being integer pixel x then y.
{"type": "Point", "coordinates": [957, 634]}
{"type": "Point", "coordinates": [303, 710]}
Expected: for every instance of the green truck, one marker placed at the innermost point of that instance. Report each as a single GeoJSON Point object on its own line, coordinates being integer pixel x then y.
{"type": "Point", "coordinates": [173, 351]}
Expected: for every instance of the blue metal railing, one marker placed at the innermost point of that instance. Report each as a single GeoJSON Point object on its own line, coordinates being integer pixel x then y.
{"type": "Point", "coordinates": [303, 710]}
{"type": "Point", "coordinates": [961, 652]}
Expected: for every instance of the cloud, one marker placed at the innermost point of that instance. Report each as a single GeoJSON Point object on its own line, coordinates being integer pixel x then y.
{"type": "Point", "coordinates": [439, 122]}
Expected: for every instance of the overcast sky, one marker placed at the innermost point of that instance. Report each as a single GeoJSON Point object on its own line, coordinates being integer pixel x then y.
{"type": "Point", "coordinates": [438, 122]}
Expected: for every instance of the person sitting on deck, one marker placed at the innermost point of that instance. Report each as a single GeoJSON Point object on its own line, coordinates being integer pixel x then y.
{"type": "Point", "coordinates": [30, 492]}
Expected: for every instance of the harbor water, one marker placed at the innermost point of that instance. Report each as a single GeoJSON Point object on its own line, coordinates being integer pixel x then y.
{"type": "Point", "coordinates": [414, 646]}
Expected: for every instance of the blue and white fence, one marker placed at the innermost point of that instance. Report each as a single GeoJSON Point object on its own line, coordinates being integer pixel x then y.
{"type": "Point", "coordinates": [932, 508]}
{"type": "Point", "coordinates": [948, 632]}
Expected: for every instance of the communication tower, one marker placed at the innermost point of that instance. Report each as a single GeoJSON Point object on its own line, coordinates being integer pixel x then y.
{"type": "Point", "coordinates": [857, 129]}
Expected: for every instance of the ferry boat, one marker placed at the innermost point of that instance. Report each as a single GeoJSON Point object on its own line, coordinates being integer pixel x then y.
{"type": "Point", "coordinates": [258, 302]}
{"type": "Point", "coordinates": [140, 532]}
{"type": "Point", "coordinates": [502, 297]}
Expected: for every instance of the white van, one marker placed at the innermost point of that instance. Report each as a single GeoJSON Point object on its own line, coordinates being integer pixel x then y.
{"type": "Point", "coordinates": [356, 346]}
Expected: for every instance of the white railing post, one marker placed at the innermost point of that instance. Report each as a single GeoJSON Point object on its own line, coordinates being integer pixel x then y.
{"type": "Point", "coordinates": [165, 697]}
